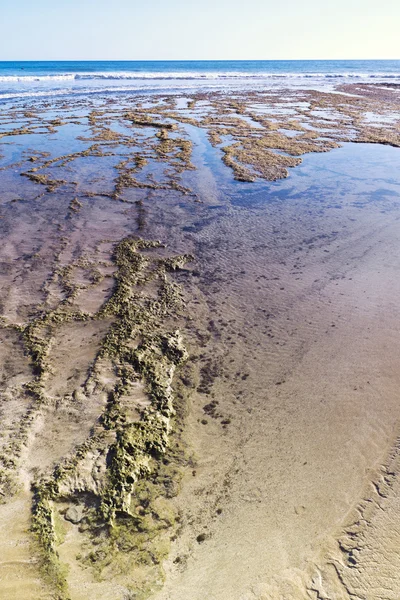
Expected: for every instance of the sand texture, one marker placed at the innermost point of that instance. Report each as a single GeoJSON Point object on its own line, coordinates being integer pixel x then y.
{"type": "Point", "coordinates": [200, 342]}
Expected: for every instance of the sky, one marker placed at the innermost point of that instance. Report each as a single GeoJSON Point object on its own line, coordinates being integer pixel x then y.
{"type": "Point", "coordinates": [199, 30]}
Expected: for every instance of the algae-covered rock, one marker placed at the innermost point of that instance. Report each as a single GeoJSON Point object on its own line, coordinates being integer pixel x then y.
{"type": "Point", "coordinates": [119, 474]}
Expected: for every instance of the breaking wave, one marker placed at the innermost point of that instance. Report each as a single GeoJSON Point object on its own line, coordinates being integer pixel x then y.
{"type": "Point", "coordinates": [190, 75]}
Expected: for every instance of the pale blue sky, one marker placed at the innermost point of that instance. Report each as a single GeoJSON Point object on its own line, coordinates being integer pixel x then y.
{"type": "Point", "coordinates": [203, 29]}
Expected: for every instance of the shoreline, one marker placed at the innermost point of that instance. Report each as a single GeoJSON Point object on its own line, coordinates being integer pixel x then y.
{"type": "Point", "coordinates": [49, 78]}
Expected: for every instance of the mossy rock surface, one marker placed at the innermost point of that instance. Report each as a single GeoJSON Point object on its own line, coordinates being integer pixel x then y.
{"type": "Point", "coordinates": [128, 518]}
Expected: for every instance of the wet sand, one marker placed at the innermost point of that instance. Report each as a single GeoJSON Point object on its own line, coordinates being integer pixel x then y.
{"type": "Point", "coordinates": [278, 477]}
{"type": "Point", "coordinates": [311, 394]}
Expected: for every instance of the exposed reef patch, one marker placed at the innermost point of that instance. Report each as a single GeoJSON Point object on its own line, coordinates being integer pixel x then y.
{"type": "Point", "coordinates": [122, 478]}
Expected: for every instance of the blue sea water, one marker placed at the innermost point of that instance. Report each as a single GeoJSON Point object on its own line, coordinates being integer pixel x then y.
{"type": "Point", "coordinates": [30, 79]}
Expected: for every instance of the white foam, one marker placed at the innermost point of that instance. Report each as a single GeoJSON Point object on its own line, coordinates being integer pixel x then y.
{"type": "Point", "coordinates": [30, 78]}
{"type": "Point", "coordinates": [190, 75]}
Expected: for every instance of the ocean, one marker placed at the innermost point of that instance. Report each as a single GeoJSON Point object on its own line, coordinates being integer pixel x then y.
{"type": "Point", "coordinates": [64, 78]}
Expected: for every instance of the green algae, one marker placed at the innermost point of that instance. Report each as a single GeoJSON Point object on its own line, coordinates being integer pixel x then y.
{"type": "Point", "coordinates": [143, 467]}
{"type": "Point", "coordinates": [138, 443]}
{"type": "Point", "coordinates": [36, 337]}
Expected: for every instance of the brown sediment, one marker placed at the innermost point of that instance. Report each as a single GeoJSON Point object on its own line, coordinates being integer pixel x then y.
{"type": "Point", "coordinates": [144, 120]}
{"type": "Point", "coordinates": [51, 184]}
{"type": "Point", "coordinates": [175, 149]}
{"type": "Point", "coordinates": [126, 180]}
{"type": "Point", "coordinates": [214, 135]}
{"type": "Point", "coordinates": [20, 131]}
{"type": "Point", "coordinates": [94, 150]}
{"type": "Point", "coordinates": [232, 155]}
{"type": "Point", "coordinates": [75, 206]}
{"type": "Point", "coordinates": [379, 136]}
{"type": "Point", "coordinates": [295, 146]}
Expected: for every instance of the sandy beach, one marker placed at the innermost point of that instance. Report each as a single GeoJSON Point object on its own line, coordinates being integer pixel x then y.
{"type": "Point", "coordinates": [200, 346]}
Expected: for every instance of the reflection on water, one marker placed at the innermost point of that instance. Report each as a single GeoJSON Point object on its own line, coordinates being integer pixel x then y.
{"type": "Point", "coordinates": [345, 175]}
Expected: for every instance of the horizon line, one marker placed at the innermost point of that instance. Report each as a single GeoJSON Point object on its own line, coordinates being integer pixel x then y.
{"type": "Point", "coordinates": [196, 60]}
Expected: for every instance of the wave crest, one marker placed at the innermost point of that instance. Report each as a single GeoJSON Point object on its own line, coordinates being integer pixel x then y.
{"type": "Point", "coordinates": [186, 75]}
